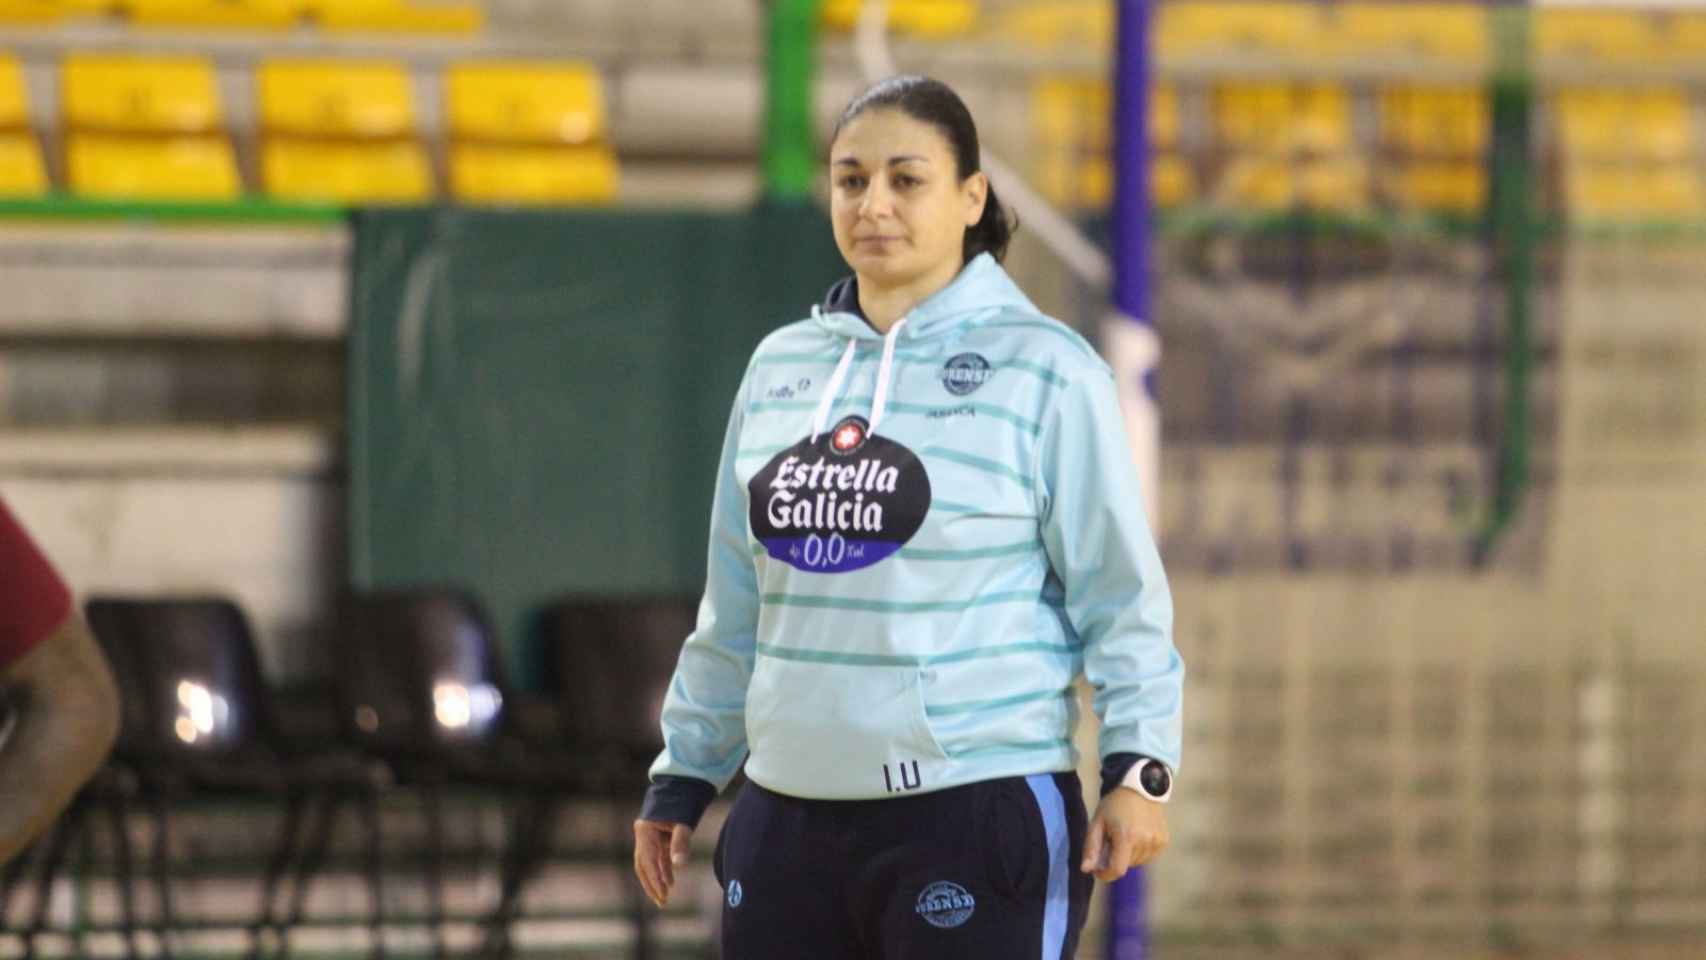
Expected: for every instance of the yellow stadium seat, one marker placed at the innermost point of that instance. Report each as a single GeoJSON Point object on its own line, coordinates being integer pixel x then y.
{"type": "Point", "coordinates": [346, 172]}
{"type": "Point", "coordinates": [1621, 192]}
{"type": "Point", "coordinates": [1604, 123]}
{"type": "Point", "coordinates": [1069, 110]}
{"type": "Point", "coordinates": [1283, 117]}
{"type": "Point", "coordinates": [14, 95]}
{"type": "Point", "coordinates": [241, 14]}
{"type": "Point", "coordinates": [1434, 120]}
{"type": "Point", "coordinates": [1078, 24]}
{"type": "Point", "coordinates": [1172, 181]}
{"type": "Point", "coordinates": [1204, 26]}
{"type": "Point", "coordinates": [935, 19]}
{"type": "Point", "coordinates": [162, 168]}
{"type": "Point", "coordinates": [505, 174]}
{"type": "Point", "coordinates": [1686, 37]}
{"type": "Point", "coordinates": [336, 98]}
{"type": "Point", "coordinates": [525, 102]}
{"type": "Point", "coordinates": [1268, 183]}
{"type": "Point", "coordinates": [1574, 34]}
{"type": "Point", "coordinates": [1095, 182]}
{"type": "Point", "coordinates": [1073, 181]}
{"type": "Point", "coordinates": [1448, 31]}
{"type": "Point", "coordinates": [396, 16]}
{"type": "Point", "coordinates": [1163, 116]}
{"type": "Point", "coordinates": [1439, 186]}
{"type": "Point", "coordinates": [50, 11]}
{"type": "Point", "coordinates": [21, 171]}
{"type": "Point", "coordinates": [140, 94]}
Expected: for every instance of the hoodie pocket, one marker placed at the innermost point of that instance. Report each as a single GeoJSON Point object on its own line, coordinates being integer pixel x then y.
{"type": "Point", "coordinates": [835, 731]}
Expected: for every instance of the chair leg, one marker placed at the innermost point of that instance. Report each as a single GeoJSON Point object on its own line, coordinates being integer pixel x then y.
{"type": "Point", "coordinates": [165, 918]}
{"type": "Point", "coordinates": [282, 854]}
{"type": "Point", "coordinates": [375, 870]}
{"type": "Point", "coordinates": [434, 797]}
{"type": "Point", "coordinates": [118, 817]}
{"type": "Point", "coordinates": [13, 874]}
{"type": "Point", "coordinates": [315, 843]}
{"type": "Point", "coordinates": [527, 846]}
{"type": "Point", "coordinates": [85, 863]}
{"type": "Point", "coordinates": [53, 857]}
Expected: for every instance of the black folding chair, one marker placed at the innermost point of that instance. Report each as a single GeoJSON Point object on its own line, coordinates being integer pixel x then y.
{"type": "Point", "coordinates": [608, 663]}
{"type": "Point", "coordinates": [199, 721]}
{"type": "Point", "coordinates": [422, 690]}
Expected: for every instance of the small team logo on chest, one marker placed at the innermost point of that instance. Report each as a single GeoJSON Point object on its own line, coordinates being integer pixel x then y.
{"type": "Point", "coordinates": [849, 436]}
{"type": "Point", "coordinates": [964, 373]}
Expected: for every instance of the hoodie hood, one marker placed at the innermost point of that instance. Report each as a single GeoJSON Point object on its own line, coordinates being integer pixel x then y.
{"type": "Point", "coordinates": [981, 285]}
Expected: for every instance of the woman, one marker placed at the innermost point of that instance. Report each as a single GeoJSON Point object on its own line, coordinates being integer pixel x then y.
{"type": "Point", "coordinates": [926, 524]}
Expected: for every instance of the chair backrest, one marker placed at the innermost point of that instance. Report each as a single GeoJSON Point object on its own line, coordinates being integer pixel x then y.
{"type": "Point", "coordinates": [525, 102]}
{"type": "Point", "coordinates": [418, 671]}
{"type": "Point", "coordinates": [336, 99]}
{"type": "Point", "coordinates": [189, 679]}
{"type": "Point", "coordinates": [610, 663]}
{"type": "Point", "coordinates": [141, 95]}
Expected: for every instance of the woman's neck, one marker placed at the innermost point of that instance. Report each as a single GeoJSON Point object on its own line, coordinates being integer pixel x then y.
{"type": "Point", "coordinates": [884, 306]}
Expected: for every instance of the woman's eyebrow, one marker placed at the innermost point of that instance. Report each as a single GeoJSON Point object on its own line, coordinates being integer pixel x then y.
{"type": "Point", "coordinates": [907, 158]}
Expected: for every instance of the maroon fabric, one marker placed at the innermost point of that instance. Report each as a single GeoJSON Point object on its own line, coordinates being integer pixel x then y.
{"type": "Point", "coordinates": [33, 600]}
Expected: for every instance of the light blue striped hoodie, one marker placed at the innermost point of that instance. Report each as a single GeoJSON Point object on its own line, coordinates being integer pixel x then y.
{"type": "Point", "coordinates": [917, 542]}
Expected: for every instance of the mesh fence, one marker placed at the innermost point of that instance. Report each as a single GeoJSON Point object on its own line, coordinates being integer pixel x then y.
{"type": "Point", "coordinates": [1434, 472]}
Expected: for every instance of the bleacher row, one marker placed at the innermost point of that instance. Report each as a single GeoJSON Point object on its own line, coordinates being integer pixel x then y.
{"type": "Point", "coordinates": [1350, 145]}
{"type": "Point", "coordinates": [1279, 145]}
{"type": "Point", "coordinates": [336, 16]}
{"type": "Point", "coordinates": [1462, 33]}
{"type": "Point", "coordinates": [338, 131]}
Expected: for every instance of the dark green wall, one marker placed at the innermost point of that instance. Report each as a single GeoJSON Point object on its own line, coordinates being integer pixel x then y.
{"type": "Point", "coordinates": [537, 401]}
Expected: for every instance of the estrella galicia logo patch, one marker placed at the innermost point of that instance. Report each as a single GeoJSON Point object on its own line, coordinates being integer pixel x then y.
{"type": "Point", "coordinates": [735, 895]}
{"type": "Point", "coordinates": [945, 905]}
{"type": "Point", "coordinates": [841, 504]}
{"type": "Point", "coordinates": [964, 373]}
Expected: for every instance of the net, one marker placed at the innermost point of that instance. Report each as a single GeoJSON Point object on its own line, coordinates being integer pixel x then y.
{"type": "Point", "coordinates": [1434, 417]}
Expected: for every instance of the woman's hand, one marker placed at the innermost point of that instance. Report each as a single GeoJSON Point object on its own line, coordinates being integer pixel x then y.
{"type": "Point", "coordinates": [659, 848]}
{"type": "Point", "coordinates": [1129, 831]}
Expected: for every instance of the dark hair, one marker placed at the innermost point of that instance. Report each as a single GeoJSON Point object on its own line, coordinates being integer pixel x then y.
{"type": "Point", "coordinates": [936, 103]}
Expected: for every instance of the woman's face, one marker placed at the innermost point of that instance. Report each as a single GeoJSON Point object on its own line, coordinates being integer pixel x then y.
{"type": "Point", "coordinates": [899, 208]}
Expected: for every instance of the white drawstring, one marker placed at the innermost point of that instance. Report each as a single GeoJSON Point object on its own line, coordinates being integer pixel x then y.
{"type": "Point", "coordinates": [883, 373]}
{"type": "Point", "coordinates": [821, 418]}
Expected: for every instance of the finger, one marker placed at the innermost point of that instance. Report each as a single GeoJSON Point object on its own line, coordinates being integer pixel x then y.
{"type": "Point", "coordinates": [678, 844]}
{"type": "Point", "coordinates": [1119, 861]}
{"type": "Point", "coordinates": [656, 878]}
{"type": "Point", "coordinates": [1154, 843]}
{"type": "Point", "coordinates": [1143, 850]}
{"type": "Point", "coordinates": [1092, 848]}
{"type": "Point", "coordinates": [643, 869]}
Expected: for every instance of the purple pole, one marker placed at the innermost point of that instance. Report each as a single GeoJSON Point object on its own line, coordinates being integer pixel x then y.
{"type": "Point", "coordinates": [1135, 353]}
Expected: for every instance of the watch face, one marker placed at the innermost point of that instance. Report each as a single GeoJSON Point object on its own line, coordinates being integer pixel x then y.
{"type": "Point", "coordinates": [1155, 779]}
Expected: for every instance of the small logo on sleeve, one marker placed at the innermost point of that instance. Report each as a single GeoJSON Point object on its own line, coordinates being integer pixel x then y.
{"type": "Point", "coordinates": [964, 373]}
{"type": "Point", "coordinates": [735, 895]}
{"type": "Point", "coordinates": [945, 905]}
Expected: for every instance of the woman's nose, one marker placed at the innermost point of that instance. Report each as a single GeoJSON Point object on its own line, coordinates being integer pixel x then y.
{"type": "Point", "coordinates": [876, 200]}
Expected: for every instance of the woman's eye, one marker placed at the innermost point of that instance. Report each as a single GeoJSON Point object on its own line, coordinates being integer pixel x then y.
{"type": "Point", "coordinates": [851, 182]}
{"type": "Point", "coordinates": [906, 181]}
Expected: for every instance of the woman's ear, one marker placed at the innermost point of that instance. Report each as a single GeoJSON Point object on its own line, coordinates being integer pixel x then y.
{"type": "Point", "coordinates": [975, 189]}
